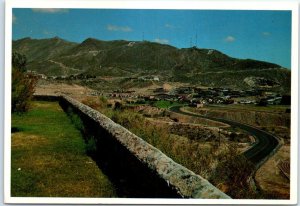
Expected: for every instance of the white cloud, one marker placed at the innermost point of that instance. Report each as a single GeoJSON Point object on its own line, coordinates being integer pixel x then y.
{"type": "Point", "coordinates": [265, 33]}
{"type": "Point", "coordinates": [14, 18]}
{"type": "Point", "coordinates": [118, 28]}
{"type": "Point", "coordinates": [169, 26]}
{"type": "Point", "coordinates": [162, 41]}
{"type": "Point", "coordinates": [50, 10]}
{"type": "Point", "coordinates": [229, 39]}
{"type": "Point", "coordinates": [48, 33]}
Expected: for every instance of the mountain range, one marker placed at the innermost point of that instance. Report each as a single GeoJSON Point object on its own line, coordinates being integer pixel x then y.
{"type": "Point", "coordinates": [120, 58]}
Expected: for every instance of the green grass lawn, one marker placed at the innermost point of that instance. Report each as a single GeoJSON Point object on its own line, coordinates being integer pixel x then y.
{"type": "Point", "coordinates": [48, 157]}
{"type": "Point", "coordinates": [165, 104]}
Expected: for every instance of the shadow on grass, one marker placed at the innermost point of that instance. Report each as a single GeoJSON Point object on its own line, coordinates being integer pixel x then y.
{"type": "Point", "coordinates": [130, 177]}
{"type": "Point", "coordinates": [16, 129]}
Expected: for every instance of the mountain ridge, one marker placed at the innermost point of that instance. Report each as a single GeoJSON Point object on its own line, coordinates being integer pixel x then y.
{"type": "Point", "coordinates": [112, 58]}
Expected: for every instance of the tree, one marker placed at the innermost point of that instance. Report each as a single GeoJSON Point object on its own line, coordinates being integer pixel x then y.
{"type": "Point", "coordinates": [262, 102]}
{"type": "Point", "coordinates": [19, 61]}
{"type": "Point", "coordinates": [118, 106]}
{"type": "Point", "coordinates": [23, 84]}
{"type": "Point", "coordinates": [286, 100]}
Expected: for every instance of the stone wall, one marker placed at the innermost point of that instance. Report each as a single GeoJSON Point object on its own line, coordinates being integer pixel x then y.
{"type": "Point", "coordinates": [137, 168]}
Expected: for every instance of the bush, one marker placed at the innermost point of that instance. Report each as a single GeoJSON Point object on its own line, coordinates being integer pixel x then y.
{"type": "Point", "coordinates": [233, 136]}
{"type": "Point", "coordinates": [94, 103]}
{"type": "Point", "coordinates": [141, 101]}
{"type": "Point", "coordinates": [286, 100]}
{"type": "Point", "coordinates": [75, 119]}
{"type": "Point", "coordinates": [262, 103]}
{"type": "Point", "coordinates": [118, 106]}
{"type": "Point", "coordinates": [220, 164]}
{"type": "Point", "coordinates": [23, 85]}
{"type": "Point", "coordinates": [19, 61]}
{"type": "Point", "coordinates": [103, 100]}
{"type": "Point", "coordinates": [234, 173]}
{"type": "Point", "coordinates": [91, 146]}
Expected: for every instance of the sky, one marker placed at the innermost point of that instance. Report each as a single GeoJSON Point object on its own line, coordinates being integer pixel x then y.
{"type": "Point", "coordinates": [251, 34]}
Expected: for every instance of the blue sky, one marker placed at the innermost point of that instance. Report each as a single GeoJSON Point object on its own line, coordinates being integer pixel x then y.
{"type": "Point", "coordinates": [261, 35]}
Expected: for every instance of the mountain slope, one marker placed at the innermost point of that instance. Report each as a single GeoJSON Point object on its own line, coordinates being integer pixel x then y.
{"type": "Point", "coordinates": [41, 49]}
{"type": "Point", "coordinates": [132, 59]}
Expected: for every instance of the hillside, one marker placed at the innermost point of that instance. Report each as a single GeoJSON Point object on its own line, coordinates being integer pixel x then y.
{"type": "Point", "coordinates": [42, 49]}
{"type": "Point", "coordinates": [122, 58]}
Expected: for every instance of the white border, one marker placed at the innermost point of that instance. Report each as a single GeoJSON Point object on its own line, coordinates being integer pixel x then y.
{"type": "Point", "coordinates": [151, 4]}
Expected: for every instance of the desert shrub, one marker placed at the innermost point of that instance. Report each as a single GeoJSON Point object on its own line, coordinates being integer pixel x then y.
{"type": "Point", "coordinates": [178, 149]}
{"type": "Point", "coordinates": [221, 164]}
{"type": "Point", "coordinates": [91, 103]}
{"type": "Point", "coordinates": [23, 85]}
{"type": "Point", "coordinates": [128, 119]}
{"type": "Point", "coordinates": [103, 100]}
{"type": "Point", "coordinates": [233, 172]}
{"type": "Point", "coordinates": [94, 103]}
{"type": "Point", "coordinates": [233, 136]}
{"type": "Point", "coordinates": [118, 106]}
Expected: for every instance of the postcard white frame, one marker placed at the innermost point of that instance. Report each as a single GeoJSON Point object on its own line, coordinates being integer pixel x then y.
{"type": "Point", "coordinates": [152, 4]}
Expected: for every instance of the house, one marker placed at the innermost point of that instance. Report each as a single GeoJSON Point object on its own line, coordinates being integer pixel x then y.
{"type": "Point", "coordinates": [155, 79]}
{"type": "Point", "coordinates": [200, 105]}
{"type": "Point", "coordinates": [276, 100]}
{"type": "Point", "coordinates": [42, 76]}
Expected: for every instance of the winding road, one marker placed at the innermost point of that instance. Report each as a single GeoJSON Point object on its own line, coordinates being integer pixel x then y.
{"type": "Point", "coordinates": [265, 142]}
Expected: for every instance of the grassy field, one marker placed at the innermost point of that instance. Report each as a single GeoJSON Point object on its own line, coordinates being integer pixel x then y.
{"type": "Point", "coordinates": [165, 104]}
{"type": "Point", "coordinates": [49, 157]}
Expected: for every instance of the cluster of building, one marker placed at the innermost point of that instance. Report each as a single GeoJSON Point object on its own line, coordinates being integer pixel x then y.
{"type": "Point", "coordinates": [62, 77]}
{"type": "Point", "coordinates": [194, 96]}
{"type": "Point", "coordinates": [34, 73]}
{"type": "Point", "coordinates": [198, 97]}
{"type": "Point", "coordinates": [72, 77]}
{"type": "Point", "coordinates": [144, 78]}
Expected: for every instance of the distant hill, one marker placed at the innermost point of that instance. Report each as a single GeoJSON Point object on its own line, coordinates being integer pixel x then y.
{"type": "Point", "coordinates": [206, 67]}
{"type": "Point", "coordinates": [42, 49]}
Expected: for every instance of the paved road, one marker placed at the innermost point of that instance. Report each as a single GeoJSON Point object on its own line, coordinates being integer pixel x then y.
{"type": "Point", "coordinates": [265, 142]}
